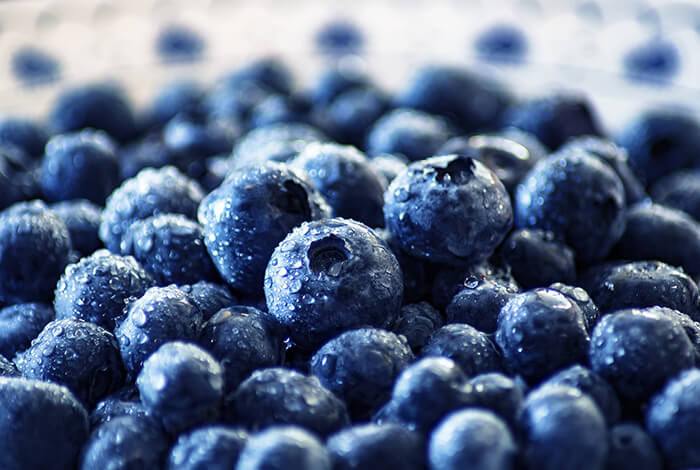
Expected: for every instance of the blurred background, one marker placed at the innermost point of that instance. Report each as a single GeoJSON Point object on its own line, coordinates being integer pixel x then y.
{"type": "Point", "coordinates": [625, 54]}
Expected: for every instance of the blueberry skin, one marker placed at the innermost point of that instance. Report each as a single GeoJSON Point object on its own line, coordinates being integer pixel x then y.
{"type": "Point", "coordinates": [578, 198]}
{"type": "Point", "coordinates": [34, 248]}
{"type": "Point", "coordinates": [413, 134]}
{"type": "Point", "coordinates": [416, 272]}
{"type": "Point", "coordinates": [690, 326]}
{"type": "Point", "coordinates": [498, 393]}
{"type": "Point", "coordinates": [26, 134]}
{"type": "Point", "coordinates": [449, 209]}
{"type": "Point", "coordinates": [277, 396]}
{"type": "Point", "coordinates": [377, 446]}
{"type": "Point", "coordinates": [179, 43]}
{"type": "Point", "coordinates": [277, 142]}
{"type": "Point", "coordinates": [182, 385]}
{"type": "Point", "coordinates": [536, 259]}
{"type": "Point", "coordinates": [660, 142]}
{"type": "Point", "coordinates": [79, 165]}
{"type": "Point", "coordinates": [504, 43]}
{"type": "Point", "coordinates": [554, 119]}
{"type": "Point", "coordinates": [18, 176]}
{"type": "Point", "coordinates": [344, 177]}
{"type": "Point", "coordinates": [426, 391]}
{"type": "Point", "coordinates": [329, 276]}
{"type": "Point", "coordinates": [660, 233]}
{"type": "Point", "coordinates": [580, 297]}
{"type": "Point", "coordinates": [80, 355]}
{"type": "Point", "coordinates": [42, 425]}
{"type": "Point", "coordinates": [267, 72]}
{"type": "Point", "coordinates": [673, 417]}
{"type": "Point", "coordinates": [339, 37]}
{"type": "Point", "coordinates": [98, 287]}
{"type": "Point", "coordinates": [284, 448]}
{"type": "Point", "coordinates": [334, 81]}
{"type": "Point", "coordinates": [101, 106]}
{"type": "Point", "coordinates": [123, 402]}
{"type": "Point", "coordinates": [127, 442]}
{"type": "Point", "coordinates": [416, 322]}
{"type": "Point", "coordinates": [209, 297]}
{"type": "Point", "coordinates": [237, 337]}
{"type": "Point", "coordinates": [8, 368]}
{"type": "Point", "coordinates": [638, 350]}
{"type": "Point", "coordinates": [592, 384]}
{"type": "Point", "coordinates": [20, 324]}
{"type": "Point", "coordinates": [388, 166]}
{"type": "Point", "coordinates": [82, 218]}
{"type": "Point", "coordinates": [33, 66]}
{"type": "Point", "coordinates": [207, 448]}
{"type": "Point", "coordinates": [352, 114]}
{"type": "Point", "coordinates": [632, 448]}
{"type": "Point", "coordinates": [642, 284]}
{"type": "Point", "coordinates": [469, 101]}
{"type": "Point", "coordinates": [656, 60]}
{"type": "Point", "coordinates": [171, 248]}
{"type": "Point", "coordinates": [614, 156]}
{"type": "Point", "coordinates": [562, 428]}
{"type": "Point", "coordinates": [475, 436]}
{"type": "Point", "coordinates": [246, 217]}
{"type": "Point", "coordinates": [151, 192]}
{"type": "Point", "coordinates": [177, 96]}
{"type": "Point", "coordinates": [162, 314]}
{"type": "Point", "coordinates": [679, 190]}
{"type": "Point", "coordinates": [539, 332]}
{"type": "Point", "coordinates": [472, 349]}
{"type": "Point", "coordinates": [360, 366]}
{"type": "Point", "coordinates": [148, 152]}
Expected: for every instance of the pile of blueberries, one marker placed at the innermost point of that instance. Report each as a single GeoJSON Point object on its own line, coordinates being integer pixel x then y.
{"type": "Point", "coordinates": [256, 276]}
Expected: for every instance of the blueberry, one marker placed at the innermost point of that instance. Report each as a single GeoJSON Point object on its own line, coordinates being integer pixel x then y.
{"type": "Point", "coordinates": [275, 142]}
{"type": "Point", "coordinates": [449, 209]}
{"type": "Point", "coordinates": [388, 166]}
{"type": "Point", "coordinates": [123, 402]}
{"type": "Point", "coordinates": [360, 366]}
{"type": "Point", "coordinates": [149, 152]}
{"type": "Point", "coordinates": [352, 114]}
{"type": "Point", "coordinates": [578, 198]}
{"type": "Point", "coordinates": [502, 43]}
{"type": "Point", "coordinates": [632, 448]}
{"type": "Point", "coordinates": [42, 425]}
{"type": "Point", "coordinates": [82, 218]}
{"type": "Point", "coordinates": [34, 248]}
{"type": "Point", "coordinates": [614, 156]}
{"type": "Point", "coordinates": [98, 287]}
{"type": "Point", "coordinates": [638, 350]}
{"type": "Point", "coordinates": [539, 332]}
{"type": "Point", "coordinates": [413, 134]}
{"type": "Point", "coordinates": [339, 37]}
{"type": "Point", "coordinates": [561, 427]}
{"type": "Point", "coordinates": [554, 119]}
{"type": "Point", "coordinates": [207, 448]}
{"type": "Point", "coordinates": [472, 349]}
{"type": "Point", "coordinates": [18, 176]}
{"type": "Point", "coordinates": [345, 178]}
{"type": "Point", "coordinates": [536, 259]}
{"type": "Point", "coordinates": [475, 436]}
{"type": "Point", "coordinates": [655, 60]}
{"type": "Point", "coordinates": [124, 443]}
{"type": "Point", "coordinates": [179, 43]}
{"type": "Point", "coordinates": [498, 393]}
{"type": "Point", "coordinates": [267, 72]}
{"type": "Point", "coordinates": [660, 142]}
{"type": "Point", "coordinates": [33, 66]}
{"type": "Point", "coordinates": [469, 101]}
{"type": "Point", "coordinates": [425, 392]}
{"type": "Point", "coordinates": [416, 272]}
{"type": "Point", "coordinates": [8, 368]}
{"type": "Point", "coordinates": [209, 297]}
{"type": "Point", "coordinates": [151, 192]}
{"type": "Point", "coordinates": [79, 165]}
{"type": "Point", "coordinates": [329, 276]}
{"type": "Point", "coordinates": [273, 110]}
{"type": "Point", "coordinates": [416, 322]}
{"type": "Point", "coordinates": [284, 448]}
{"type": "Point", "coordinates": [673, 418]}
{"type": "Point", "coordinates": [26, 134]}
{"type": "Point", "coordinates": [642, 284]}
{"type": "Point", "coordinates": [679, 190]}
{"type": "Point", "coordinates": [80, 355]}
{"type": "Point", "coordinates": [238, 338]}
{"type": "Point", "coordinates": [20, 324]}
{"type": "Point", "coordinates": [379, 446]}
{"type": "Point", "coordinates": [336, 80]}
{"type": "Point", "coordinates": [162, 314]}
{"type": "Point", "coordinates": [101, 106]}
{"type": "Point", "coordinates": [690, 326]}
{"type": "Point", "coordinates": [177, 96]}
{"type": "Point", "coordinates": [656, 232]}
{"type": "Point", "coordinates": [592, 384]}
{"type": "Point", "coordinates": [249, 214]}
{"type": "Point", "coordinates": [182, 385]}
{"type": "Point", "coordinates": [580, 297]}
{"type": "Point", "coordinates": [281, 396]}
{"type": "Point", "coordinates": [234, 102]}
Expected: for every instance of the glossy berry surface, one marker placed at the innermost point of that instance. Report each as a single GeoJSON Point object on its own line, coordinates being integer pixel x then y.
{"type": "Point", "coordinates": [472, 349]}
{"type": "Point", "coordinates": [20, 324]}
{"type": "Point", "coordinates": [413, 134]}
{"type": "Point", "coordinates": [284, 448]}
{"type": "Point", "coordinates": [207, 448]}
{"type": "Point", "coordinates": [82, 218]}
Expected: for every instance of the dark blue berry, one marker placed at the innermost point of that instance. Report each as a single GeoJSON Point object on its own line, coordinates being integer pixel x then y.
{"type": "Point", "coordinates": [267, 72]}
{"type": "Point", "coordinates": [449, 209]}
{"type": "Point", "coordinates": [581, 298]}
{"type": "Point", "coordinates": [388, 166]}
{"type": "Point", "coordinates": [209, 297]}
{"type": "Point", "coordinates": [416, 322]}
{"type": "Point", "coordinates": [18, 176]}
{"type": "Point", "coordinates": [284, 448]}
{"type": "Point", "coordinates": [498, 393]}
{"type": "Point", "coordinates": [179, 43]}
{"type": "Point", "coordinates": [502, 43]}
{"type": "Point", "coordinates": [336, 80]}
{"type": "Point", "coordinates": [472, 349]}
{"type": "Point", "coordinates": [352, 114]}
{"type": "Point", "coordinates": [339, 37]}
{"type": "Point", "coordinates": [282, 396]}
{"type": "Point", "coordinates": [680, 190]}
{"type": "Point", "coordinates": [655, 60]}
{"type": "Point", "coordinates": [207, 448]}
{"type": "Point", "coordinates": [416, 275]}
{"type": "Point", "coordinates": [632, 448]}
{"type": "Point", "coordinates": [149, 152]}
{"type": "Point", "coordinates": [26, 134]}
{"type": "Point", "coordinates": [82, 218]}
{"type": "Point", "coordinates": [123, 402]}
{"type": "Point", "coordinates": [20, 324]}
{"type": "Point", "coordinates": [275, 142]}
{"type": "Point", "coordinates": [278, 109]}
{"type": "Point", "coordinates": [33, 66]}
{"type": "Point", "coordinates": [329, 276]}
{"type": "Point", "coordinates": [8, 368]}
{"type": "Point", "coordinates": [177, 96]}
{"type": "Point", "coordinates": [413, 134]}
